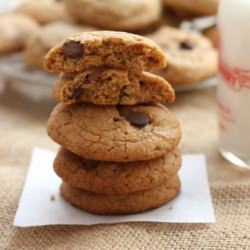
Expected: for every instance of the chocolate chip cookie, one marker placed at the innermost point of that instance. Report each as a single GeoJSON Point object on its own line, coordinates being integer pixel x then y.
{"type": "Point", "coordinates": [15, 30]}
{"type": "Point", "coordinates": [113, 177]}
{"type": "Point", "coordinates": [105, 86]}
{"type": "Point", "coordinates": [115, 15]}
{"type": "Point", "coordinates": [198, 7]}
{"type": "Point", "coordinates": [45, 11]}
{"type": "Point", "coordinates": [114, 133]}
{"type": "Point", "coordinates": [45, 38]}
{"type": "Point", "coordinates": [212, 35]}
{"type": "Point", "coordinates": [122, 204]}
{"type": "Point", "coordinates": [118, 50]}
{"type": "Point", "coordinates": [191, 57]}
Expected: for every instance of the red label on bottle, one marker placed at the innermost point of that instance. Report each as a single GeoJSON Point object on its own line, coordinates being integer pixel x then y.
{"type": "Point", "coordinates": [235, 78]}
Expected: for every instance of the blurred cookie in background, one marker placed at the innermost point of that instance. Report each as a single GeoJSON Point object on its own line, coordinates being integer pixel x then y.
{"type": "Point", "coordinates": [170, 19]}
{"type": "Point", "coordinates": [47, 37]}
{"type": "Point", "coordinates": [129, 15]}
{"type": "Point", "coordinates": [45, 11]}
{"type": "Point", "coordinates": [15, 30]}
{"type": "Point", "coordinates": [167, 18]}
{"type": "Point", "coordinates": [191, 56]}
{"type": "Point", "coordinates": [187, 8]}
{"type": "Point", "coordinates": [212, 35]}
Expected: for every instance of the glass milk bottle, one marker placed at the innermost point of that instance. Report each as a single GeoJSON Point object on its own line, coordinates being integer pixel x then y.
{"type": "Point", "coordinates": [234, 81]}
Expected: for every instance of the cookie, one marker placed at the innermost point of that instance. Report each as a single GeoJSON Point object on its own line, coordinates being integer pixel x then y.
{"type": "Point", "coordinates": [46, 38]}
{"type": "Point", "coordinates": [191, 57]}
{"type": "Point", "coordinates": [15, 30]}
{"type": "Point", "coordinates": [115, 15]}
{"type": "Point", "coordinates": [114, 133]}
{"type": "Point", "coordinates": [122, 204]}
{"type": "Point", "coordinates": [212, 35]}
{"type": "Point", "coordinates": [167, 18]}
{"type": "Point", "coordinates": [105, 86]}
{"type": "Point", "coordinates": [198, 7]}
{"type": "Point", "coordinates": [45, 11]}
{"type": "Point", "coordinates": [118, 50]}
{"type": "Point", "coordinates": [114, 177]}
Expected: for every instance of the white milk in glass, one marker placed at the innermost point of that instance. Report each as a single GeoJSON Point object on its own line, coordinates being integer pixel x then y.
{"type": "Point", "coordinates": [234, 81]}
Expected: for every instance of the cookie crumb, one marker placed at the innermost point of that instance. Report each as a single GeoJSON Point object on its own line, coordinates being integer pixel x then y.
{"type": "Point", "coordinates": [170, 208]}
{"type": "Point", "coordinates": [52, 198]}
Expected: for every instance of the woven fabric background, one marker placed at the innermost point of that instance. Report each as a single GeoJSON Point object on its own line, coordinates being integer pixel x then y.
{"type": "Point", "coordinates": [23, 126]}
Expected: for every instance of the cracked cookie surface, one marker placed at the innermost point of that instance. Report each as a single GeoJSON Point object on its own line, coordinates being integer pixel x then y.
{"type": "Point", "coordinates": [114, 133]}
{"type": "Point", "coordinates": [108, 15]}
{"type": "Point", "coordinates": [122, 204]}
{"type": "Point", "coordinates": [191, 57]}
{"type": "Point", "coordinates": [106, 86]}
{"type": "Point", "coordinates": [118, 50]}
{"type": "Point", "coordinates": [114, 177]}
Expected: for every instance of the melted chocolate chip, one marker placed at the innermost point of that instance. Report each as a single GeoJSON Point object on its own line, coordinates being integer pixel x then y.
{"type": "Point", "coordinates": [73, 49]}
{"type": "Point", "coordinates": [141, 82]}
{"type": "Point", "coordinates": [186, 45]}
{"type": "Point", "coordinates": [116, 119]}
{"type": "Point", "coordinates": [138, 119]}
{"type": "Point", "coordinates": [77, 93]}
{"type": "Point", "coordinates": [94, 76]}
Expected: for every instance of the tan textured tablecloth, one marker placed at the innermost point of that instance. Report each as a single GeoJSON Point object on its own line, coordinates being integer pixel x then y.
{"type": "Point", "coordinates": [22, 127]}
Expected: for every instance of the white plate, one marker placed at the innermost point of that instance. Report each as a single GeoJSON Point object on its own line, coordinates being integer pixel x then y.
{"type": "Point", "coordinates": [33, 83]}
{"type": "Point", "coordinates": [207, 83]}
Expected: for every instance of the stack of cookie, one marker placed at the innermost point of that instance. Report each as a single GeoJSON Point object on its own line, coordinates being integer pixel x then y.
{"type": "Point", "coordinates": [119, 143]}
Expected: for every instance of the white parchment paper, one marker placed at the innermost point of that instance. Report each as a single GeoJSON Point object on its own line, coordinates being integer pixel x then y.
{"type": "Point", "coordinates": [41, 204]}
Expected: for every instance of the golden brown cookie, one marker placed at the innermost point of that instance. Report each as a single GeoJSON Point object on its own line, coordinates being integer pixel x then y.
{"type": "Point", "coordinates": [115, 133]}
{"type": "Point", "coordinates": [44, 11]}
{"type": "Point", "coordinates": [15, 30]}
{"type": "Point", "coordinates": [122, 204]}
{"type": "Point", "coordinates": [167, 18]}
{"type": "Point", "coordinates": [212, 35]}
{"type": "Point", "coordinates": [118, 50]}
{"type": "Point", "coordinates": [198, 7]}
{"type": "Point", "coordinates": [191, 57]}
{"type": "Point", "coordinates": [114, 177]}
{"type": "Point", "coordinates": [114, 14]}
{"type": "Point", "coordinates": [47, 37]}
{"type": "Point", "coordinates": [105, 86]}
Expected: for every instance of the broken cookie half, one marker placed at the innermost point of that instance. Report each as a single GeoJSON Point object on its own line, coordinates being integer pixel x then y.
{"type": "Point", "coordinates": [104, 86]}
{"type": "Point", "coordinates": [119, 50]}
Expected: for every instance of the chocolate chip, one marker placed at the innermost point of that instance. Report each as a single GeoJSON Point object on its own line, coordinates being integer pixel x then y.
{"type": "Point", "coordinates": [77, 92]}
{"type": "Point", "coordinates": [122, 93]}
{"type": "Point", "coordinates": [186, 45]}
{"type": "Point", "coordinates": [138, 119]}
{"type": "Point", "coordinates": [141, 82]}
{"type": "Point", "coordinates": [121, 110]}
{"type": "Point", "coordinates": [73, 49]}
{"type": "Point", "coordinates": [116, 119]}
{"type": "Point", "coordinates": [94, 76]}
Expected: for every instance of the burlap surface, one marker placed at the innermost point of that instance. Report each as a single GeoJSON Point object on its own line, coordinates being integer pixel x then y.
{"type": "Point", "coordinates": [22, 127]}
